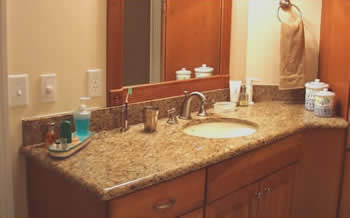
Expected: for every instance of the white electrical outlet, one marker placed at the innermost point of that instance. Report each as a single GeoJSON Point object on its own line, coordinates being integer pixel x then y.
{"type": "Point", "coordinates": [95, 82]}
{"type": "Point", "coordinates": [48, 87]}
{"type": "Point", "coordinates": [18, 90]}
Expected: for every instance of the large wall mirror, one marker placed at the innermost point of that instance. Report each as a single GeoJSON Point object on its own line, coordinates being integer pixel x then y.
{"type": "Point", "coordinates": [150, 42]}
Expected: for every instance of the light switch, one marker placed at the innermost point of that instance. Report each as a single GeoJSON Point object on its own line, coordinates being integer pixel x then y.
{"type": "Point", "coordinates": [48, 87]}
{"type": "Point", "coordinates": [94, 82]}
{"type": "Point", "coordinates": [18, 93]}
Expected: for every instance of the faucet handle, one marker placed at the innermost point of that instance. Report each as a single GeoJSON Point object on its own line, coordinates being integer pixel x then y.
{"type": "Point", "coordinates": [172, 116]}
{"type": "Point", "coordinates": [186, 94]}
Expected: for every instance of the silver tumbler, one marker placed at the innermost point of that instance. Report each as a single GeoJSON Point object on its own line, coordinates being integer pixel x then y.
{"type": "Point", "coordinates": [150, 118]}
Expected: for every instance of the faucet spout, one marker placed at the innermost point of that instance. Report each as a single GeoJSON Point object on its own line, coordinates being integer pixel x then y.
{"type": "Point", "coordinates": [187, 105]}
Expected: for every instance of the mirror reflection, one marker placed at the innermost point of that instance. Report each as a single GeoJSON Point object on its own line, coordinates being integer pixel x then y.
{"type": "Point", "coordinates": [165, 40]}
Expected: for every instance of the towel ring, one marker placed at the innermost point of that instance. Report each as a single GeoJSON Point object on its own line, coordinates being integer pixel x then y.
{"type": "Point", "coordinates": [292, 5]}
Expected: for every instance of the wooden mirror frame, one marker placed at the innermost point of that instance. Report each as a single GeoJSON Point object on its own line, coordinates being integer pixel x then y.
{"type": "Point", "coordinates": [116, 92]}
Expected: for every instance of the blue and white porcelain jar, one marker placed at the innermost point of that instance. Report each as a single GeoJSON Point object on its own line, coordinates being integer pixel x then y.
{"type": "Point", "coordinates": [324, 103]}
{"type": "Point", "coordinates": [312, 88]}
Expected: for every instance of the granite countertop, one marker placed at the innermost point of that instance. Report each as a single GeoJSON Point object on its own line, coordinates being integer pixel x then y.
{"type": "Point", "coordinates": [115, 164]}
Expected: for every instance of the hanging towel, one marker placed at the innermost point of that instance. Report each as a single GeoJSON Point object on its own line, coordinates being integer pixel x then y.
{"type": "Point", "coordinates": [292, 66]}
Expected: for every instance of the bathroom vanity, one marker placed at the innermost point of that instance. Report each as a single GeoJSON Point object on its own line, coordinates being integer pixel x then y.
{"type": "Point", "coordinates": [291, 167]}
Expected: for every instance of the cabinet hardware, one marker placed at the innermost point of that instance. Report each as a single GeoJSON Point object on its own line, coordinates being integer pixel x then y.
{"type": "Point", "coordinates": [259, 195]}
{"type": "Point", "coordinates": [267, 190]}
{"type": "Point", "coordinates": [165, 206]}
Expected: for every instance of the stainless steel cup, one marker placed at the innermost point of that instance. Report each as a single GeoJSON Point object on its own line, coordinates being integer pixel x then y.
{"type": "Point", "coordinates": [150, 118]}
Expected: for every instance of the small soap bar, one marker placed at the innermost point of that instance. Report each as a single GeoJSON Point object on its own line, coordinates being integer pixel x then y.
{"type": "Point", "coordinates": [66, 131]}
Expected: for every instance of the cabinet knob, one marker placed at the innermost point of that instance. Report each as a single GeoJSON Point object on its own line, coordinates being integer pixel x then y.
{"type": "Point", "coordinates": [267, 190]}
{"type": "Point", "coordinates": [259, 195]}
{"type": "Point", "coordinates": [164, 206]}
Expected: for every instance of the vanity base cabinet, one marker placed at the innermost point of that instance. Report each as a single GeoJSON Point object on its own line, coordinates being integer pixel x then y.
{"type": "Point", "coordinates": [298, 176]}
{"type": "Point", "coordinates": [233, 174]}
{"type": "Point", "coordinates": [240, 204]}
{"type": "Point", "coordinates": [194, 214]}
{"type": "Point", "coordinates": [278, 194]}
{"type": "Point", "coordinates": [168, 199]}
{"type": "Point", "coordinates": [319, 174]}
{"type": "Point", "coordinates": [273, 196]}
{"type": "Point", "coordinates": [50, 195]}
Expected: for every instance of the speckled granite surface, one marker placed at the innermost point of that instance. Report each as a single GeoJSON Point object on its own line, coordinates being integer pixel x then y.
{"type": "Point", "coordinates": [115, 164]}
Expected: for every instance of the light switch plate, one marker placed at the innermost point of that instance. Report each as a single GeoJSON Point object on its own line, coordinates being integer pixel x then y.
{"type": "Point", "coordinates": [18, 87]}
{"type": "Point", "coordinates": [95, 82]}
{"type": "Point", "coordinates": [48, 87]}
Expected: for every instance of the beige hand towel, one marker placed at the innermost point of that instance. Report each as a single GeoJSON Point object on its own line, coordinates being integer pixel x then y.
{"type": "Point", "coordinates": [292, 66]}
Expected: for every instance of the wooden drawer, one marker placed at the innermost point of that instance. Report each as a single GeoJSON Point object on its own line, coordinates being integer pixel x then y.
{"type": "Point", "coordinates": [169, 199]}
{"type": "Point", "coordinates": [235, 173]}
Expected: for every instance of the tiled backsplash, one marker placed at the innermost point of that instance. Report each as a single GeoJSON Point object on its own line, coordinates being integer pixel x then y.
{"type": "Point", "coordinates": [34, 130]}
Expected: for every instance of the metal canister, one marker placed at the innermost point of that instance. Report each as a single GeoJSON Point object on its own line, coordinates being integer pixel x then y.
{"type": "Point", "coordinates": [324, 103]}
{"type": "Point", "coordinates": [150, 118]}
{"type": "Point", "coordinates": [312, 88]}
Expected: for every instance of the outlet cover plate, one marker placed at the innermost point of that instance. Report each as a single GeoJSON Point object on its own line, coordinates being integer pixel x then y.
{"type": "Point", "coordinates": [95, 82]}
{"type": "Point", "coordinates": [18, 86]}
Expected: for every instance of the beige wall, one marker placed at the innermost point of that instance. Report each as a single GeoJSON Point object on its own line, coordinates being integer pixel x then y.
{"type": "Point", "coordinates": [64, 37]}
{"type": "Point", "coordinates": [6, 187]}
{"type": "Point", "coordinates": [239, 36]}
{"type": "Point", "coordinates": [258, 46]}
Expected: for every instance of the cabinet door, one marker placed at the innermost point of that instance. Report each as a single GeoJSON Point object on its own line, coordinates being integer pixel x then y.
{"type": "Point", "coordinates": [194, 214]}
{"type": "Point", "coordinates": [345, 197]}
{"type": "Point", "coordinates": [278, 194]}
{"type": "Point", "coordinates": [240, 204]}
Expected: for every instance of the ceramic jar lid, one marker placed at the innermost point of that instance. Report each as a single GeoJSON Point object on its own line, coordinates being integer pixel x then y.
{"type": "Point", "coordinates": [183, 71]}
{"type": "Point", "coordinates": [317, 84]}
{"type": "Point", "coordinates": [204, 69]}
{"type": "Point", "coordinates": [325, 93]}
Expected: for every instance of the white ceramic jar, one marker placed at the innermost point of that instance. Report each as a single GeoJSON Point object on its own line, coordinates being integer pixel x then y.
{"type": "Point", "coordinates": [311, 89]}
{"type": "Point", "coordinates": [203, 71]}
{"type": "Point", "coordinates": [324, 103]}
{"type": "Point", "coordinates": [183, 74]}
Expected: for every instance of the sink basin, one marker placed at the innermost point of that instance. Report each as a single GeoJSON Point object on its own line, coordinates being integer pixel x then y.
{"type": "Point", "coordinates": [221, 128]}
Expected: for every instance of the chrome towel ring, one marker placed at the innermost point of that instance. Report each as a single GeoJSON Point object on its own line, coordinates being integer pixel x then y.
{"type": "Point", "coordinates": [284, 4]}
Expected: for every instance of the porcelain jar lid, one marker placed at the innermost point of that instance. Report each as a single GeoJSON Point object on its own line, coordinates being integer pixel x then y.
{"type": "Point", "coordinates": [183, 71]}
{"type": "Point", "coordinates": [325, 93]}
{"type": "Point", "coordinates": [204, 69]}
{"type": "Point", "coordinates": [317, 84]}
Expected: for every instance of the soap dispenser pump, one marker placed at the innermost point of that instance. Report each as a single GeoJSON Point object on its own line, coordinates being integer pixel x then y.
{"type": "Point", "coordinates": [82, 119]}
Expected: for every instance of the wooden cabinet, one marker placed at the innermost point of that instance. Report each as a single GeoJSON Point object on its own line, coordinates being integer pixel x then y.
{"type": "Point", "coordinates": [242, 203]}
{"type": "Point", "coordinates": [235, 173]}
{"type": "Point", "coordinates": [298, 176]}
{"type": "Point", "coordinates": [334, 47]}
{"type": "Point", "coordinates": [169, 199]}
{"type": "Point", "coordinates": [271, 197]}
{"type": "Point", "coordinates": [345, 200]}
{"type": "Point", "coordinates": [194, 214]}
{"type": "Point", "coordinates": [277, 193]}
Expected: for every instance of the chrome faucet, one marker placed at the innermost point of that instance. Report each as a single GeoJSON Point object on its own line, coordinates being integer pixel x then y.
{"type": "Point", "coordinates": [187, 105]}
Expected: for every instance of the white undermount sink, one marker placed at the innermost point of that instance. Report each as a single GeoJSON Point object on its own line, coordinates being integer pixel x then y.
{"type": "Point", "coordinates": [220, 128]}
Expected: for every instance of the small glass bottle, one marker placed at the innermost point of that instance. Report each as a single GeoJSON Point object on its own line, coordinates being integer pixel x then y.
{"type": "Point", "coordinates": [51, 135]}
{"type": "Point", "coordinates": [243, 98]}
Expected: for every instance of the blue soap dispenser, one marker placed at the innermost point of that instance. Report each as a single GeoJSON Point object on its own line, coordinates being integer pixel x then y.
{"type": "Point", "coordinates": [82, 119]}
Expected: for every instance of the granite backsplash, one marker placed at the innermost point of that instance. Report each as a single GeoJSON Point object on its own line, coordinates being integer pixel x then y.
{"type": "Point", "coordinates": [34, 129]}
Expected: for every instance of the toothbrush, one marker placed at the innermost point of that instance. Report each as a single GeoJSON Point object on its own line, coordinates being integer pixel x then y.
{"type": "Point", "coordinates": [126, 108]}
